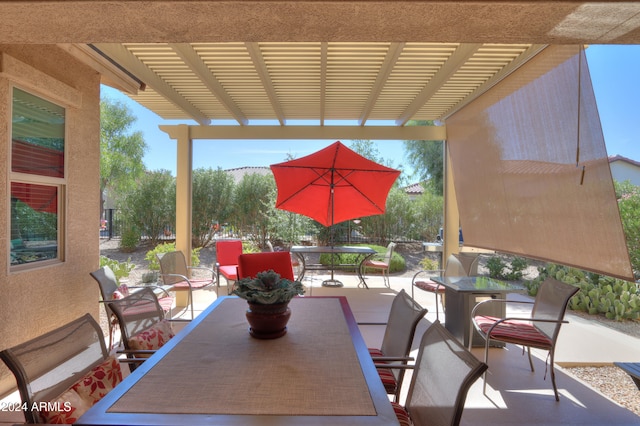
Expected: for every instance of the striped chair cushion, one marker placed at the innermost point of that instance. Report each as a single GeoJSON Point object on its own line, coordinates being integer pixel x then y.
{"type": "Point", "coordinates": [429, 286]}
{"type": "Point", "coordinates": [386, 375]}
{"type": "Point", "coordinates": [195, 283]}
{"type": "Point", "coordinates": [401, 414]}
{"type": "Point", "coordinates": [517, 332]}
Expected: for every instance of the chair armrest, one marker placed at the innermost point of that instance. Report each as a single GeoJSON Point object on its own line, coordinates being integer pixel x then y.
{"type": "Point", "coordinates": [162, 289]}
{"type": "Point", "coordinates": [478, 305]}
{"type": "Point", "coordinates": [392, 358]}
{"type": "Point", "coordinates": [372, 323]}
{"type": "Point", "coordinates": [427, 273]}
{"type": "Point", "coordinates": [396, 366]}
{"type": "Point", "coordinates": [204, 268]}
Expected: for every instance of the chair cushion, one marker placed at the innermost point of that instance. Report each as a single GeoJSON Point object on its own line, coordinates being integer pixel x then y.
{"type": "Point", "coordinates": [375, 352]}
{"type": "Point", "coordinates": [152, 338]}
{"type": "Point", "coordinates": [517, 332]}
{"type": "Point", "coordinates": [430, 286]}
{"type": "Point", "coordinates": [166, 303]}
{"type": "Point", "coordinates": [386, 375]}
{"type": "Point", "coordinates": [121, 292]}
{"type": "Point", "coordinates": [230, 272]}
{"type": "Point", "coordinates": [99, 381]}
{"type": "Point", "coordinates": [376, 264]}
{"type": "Point", "coordinates": [195, 283]}
{"type": "Point", "coordinates": [401, 414]}
{"type": "Point", "coordinates": [66, 409]}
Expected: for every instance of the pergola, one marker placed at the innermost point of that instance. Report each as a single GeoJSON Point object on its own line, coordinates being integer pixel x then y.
{"type": "Point", "coordinates": [254, 69]}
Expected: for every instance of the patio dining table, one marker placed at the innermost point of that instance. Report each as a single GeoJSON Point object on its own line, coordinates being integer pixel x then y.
{"type": "Point", "coordinates": [213, 372]}
{"type": "Point", "coordinates": [362, 255]}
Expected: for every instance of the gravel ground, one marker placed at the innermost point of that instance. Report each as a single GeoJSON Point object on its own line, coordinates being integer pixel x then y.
{"type": "Point", "coordinates": [608, 380]}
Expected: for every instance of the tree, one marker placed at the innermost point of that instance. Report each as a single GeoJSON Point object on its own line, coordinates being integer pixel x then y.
{"type": "Point", "coordinates": [629, 204]}
{"type": "Point", "coordinates": [368, 149]}
{"type": "Point", "coordinates": [427, 158]}
{"type": "Point", "coordinates": [253, 207]}
{"type": "Point", "coordinates": [121, 152]}
{"type": "Point", "coordinates": [151, 206]}
{"type": "Point", "coordinates": [212, 200]}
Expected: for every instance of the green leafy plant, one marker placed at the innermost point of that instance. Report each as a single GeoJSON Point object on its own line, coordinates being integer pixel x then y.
{"type": "Point", "coordinates": [615, 299]}
{"type": "Point", "coordinates": [512, 271]}
{"type": "Point", "coordinates": [428, 264]}
{"type": "Point", "coordinates": [120, 269]}
{"type": "Point", "coordinates": [152, 257]}
{"type": "Point", "coordinates": [130, 239]}
{"type": "Point", "coordinates": [397, 263]}
{"type": "Point", "coordinates": [268, 288]}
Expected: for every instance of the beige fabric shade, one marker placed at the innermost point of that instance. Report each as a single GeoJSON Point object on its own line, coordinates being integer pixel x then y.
{"type": "Point", "coordinates": [531, 172]}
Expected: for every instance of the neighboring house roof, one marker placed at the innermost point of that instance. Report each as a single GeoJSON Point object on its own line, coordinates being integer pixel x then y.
{"type": "Point", "coordinates": [238, 173]}
{"type": "Point", "coordinates": [614, 158]}
{"type": "Point", "coordinates": [414, 189]}
{"type": "Point", "coordinates": [624, 169]}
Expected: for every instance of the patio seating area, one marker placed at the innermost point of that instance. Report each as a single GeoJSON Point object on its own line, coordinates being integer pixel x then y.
{"type": "Point", "coordinates": [515, 395]}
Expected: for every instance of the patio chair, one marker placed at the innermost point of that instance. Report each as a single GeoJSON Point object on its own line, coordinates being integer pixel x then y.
{"type": "Point", "coordinates": [251, 263]}
{"type": "Point", "coordinates": [143, 325]}
{"type": "Point", "coordinates": [404, 316]}
{"type": "Point", "coordinates": [176, 274]}
{"type": "Point", "coordinates": [458, 265]}
{"type": "Point", "coordinates": [69, 365]}
{"type": "Point", "coordinates": [227, 252]}
{"type": "Point", "coordinates": [539, 330]}
{"type": "Point", "coordinates": [442, 375]}
{"type": "Point", "coordinates": [383, 264]}
{"type": "Point", "coordinates": [110, 291]}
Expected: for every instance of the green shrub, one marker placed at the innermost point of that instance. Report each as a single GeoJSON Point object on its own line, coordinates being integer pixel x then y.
{"type": "Point", "coordinates": [499, 269]}
{"type": "Point", "coordinates": [120, 269]}
{"type": "Point", "coordinates": [152, 258]}
{"type": "Point", "coordinates": [496, 267]}
{"type": "Point", "coordinates": [130, 239]}
{"type": "Point", "coordinates": [397, 261]}
{"type": "Point", "coordinates": [614, 298]}
{"type": "Point", "coordinates": [429, 264]}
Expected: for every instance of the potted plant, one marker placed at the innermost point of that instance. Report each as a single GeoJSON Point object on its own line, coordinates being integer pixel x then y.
{"type": "Point", "coordinates": [268, 297]}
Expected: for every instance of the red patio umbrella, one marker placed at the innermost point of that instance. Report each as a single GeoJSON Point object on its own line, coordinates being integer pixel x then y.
{"type": "Point", "coordinates": [333, 185]}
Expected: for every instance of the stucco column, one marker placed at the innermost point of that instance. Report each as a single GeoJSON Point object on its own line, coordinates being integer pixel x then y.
{"type": "Point", "coordinates": [181, 133]}
{"type": "Point", "coordinates": [451, 215]}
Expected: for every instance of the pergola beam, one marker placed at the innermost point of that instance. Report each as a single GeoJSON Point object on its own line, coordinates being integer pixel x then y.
{"type": "Point", "coordinates": [312, 132]}
{"type": "Point", "coordinates": [120, 54]}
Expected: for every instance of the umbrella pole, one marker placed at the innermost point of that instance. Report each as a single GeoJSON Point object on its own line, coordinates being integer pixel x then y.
{"type": "Point", "coordinates": [332, 282]}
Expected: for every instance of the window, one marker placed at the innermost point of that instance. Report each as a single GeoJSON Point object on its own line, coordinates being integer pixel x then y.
{"type": "Point", "coordinates": [37, 179]}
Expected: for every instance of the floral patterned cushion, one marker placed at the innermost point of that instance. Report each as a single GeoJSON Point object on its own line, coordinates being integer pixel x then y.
{"type": "Point", "coordinates": [66, 409]}
{"type": "Point", "coordinates": [121, 292]}
{"type": "Point", "coordinates": [99, 381]}
{"type": "Point", "coordinates": [152, 338]}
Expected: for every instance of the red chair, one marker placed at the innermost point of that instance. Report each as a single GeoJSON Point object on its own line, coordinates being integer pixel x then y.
{"type": "Point", "coordinates": [227, 253]}
{"type": "Point", "coordinates": [280, 261]}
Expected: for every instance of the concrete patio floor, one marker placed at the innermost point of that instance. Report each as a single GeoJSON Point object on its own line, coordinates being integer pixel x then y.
{"type": "Point", "coordinates": [515, 395]}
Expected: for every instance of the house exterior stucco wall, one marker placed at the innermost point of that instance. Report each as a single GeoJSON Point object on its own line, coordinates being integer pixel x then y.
{"type": "Point", "coordinates": [35, 301]}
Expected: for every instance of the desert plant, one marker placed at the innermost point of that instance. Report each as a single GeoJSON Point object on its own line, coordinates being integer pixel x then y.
{"type": "Point", "coordinates": [152, 257]}
{"type": "Point", "coordinates": [428, 264]}
{"type": "Point", "coordinates": [614, 298]}
{"type": "Point", "coordinates": [512, 271]}
{"type": "Point", "coordinates": [120, 269]}
{"type": "Point", "coordinates": [130, 239]}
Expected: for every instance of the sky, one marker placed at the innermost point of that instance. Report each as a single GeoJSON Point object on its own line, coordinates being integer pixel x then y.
{"type": "Point", "coordinates": [615, 72]}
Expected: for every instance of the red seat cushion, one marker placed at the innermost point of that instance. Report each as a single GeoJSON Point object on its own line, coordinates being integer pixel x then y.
{"type": "Point", "coordinates": [230, 272]}
{"type": "Point", "coordinates": [401, 414]}
{"type": "Point", "coordinates": [430, 286]}
{"type": "Point", "coordinates": [517, 332]}
{"type": "Point", "coordinates": [376, 264]}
